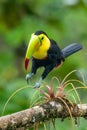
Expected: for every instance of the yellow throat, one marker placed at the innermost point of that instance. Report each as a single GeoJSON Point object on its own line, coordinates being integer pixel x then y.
{"type": "Point", "coordinates": [41, 52]}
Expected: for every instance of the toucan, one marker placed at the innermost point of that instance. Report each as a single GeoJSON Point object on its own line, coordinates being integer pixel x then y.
{"type": "Point", "coordinates": [45, 52]}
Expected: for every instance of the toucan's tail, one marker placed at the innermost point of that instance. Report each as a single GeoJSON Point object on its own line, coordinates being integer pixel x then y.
{"type": "Point", "coordinates": [69, 50]}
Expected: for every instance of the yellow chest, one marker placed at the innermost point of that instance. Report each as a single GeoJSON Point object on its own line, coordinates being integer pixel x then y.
{"type": "Point", "coordinates": [41, 52]}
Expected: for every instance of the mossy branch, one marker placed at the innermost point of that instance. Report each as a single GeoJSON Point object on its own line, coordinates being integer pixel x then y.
{"type": "Point", "coordinates": [52, 109]}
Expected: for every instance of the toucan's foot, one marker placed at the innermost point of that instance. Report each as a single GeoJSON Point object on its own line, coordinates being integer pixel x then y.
{"type": "Point", "coordinates": [37, 85]}
{"type": "Point", "coordinates": [28, 76]}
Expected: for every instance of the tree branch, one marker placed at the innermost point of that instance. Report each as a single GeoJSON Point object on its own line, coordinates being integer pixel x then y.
{"type": "Point", "coordinates": [55, 108]}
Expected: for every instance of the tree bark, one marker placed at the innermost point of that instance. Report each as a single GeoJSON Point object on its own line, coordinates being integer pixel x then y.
{"type": "Point", "coordinates": [55, 108]}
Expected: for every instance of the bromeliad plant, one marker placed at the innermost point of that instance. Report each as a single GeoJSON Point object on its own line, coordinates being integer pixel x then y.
{"type": "Point", "coordinates": [63, 95]}
{"type": "Point", "coordinates": [66, 93]}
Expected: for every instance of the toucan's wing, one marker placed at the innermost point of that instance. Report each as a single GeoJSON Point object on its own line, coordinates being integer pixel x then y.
{"type": "Point", "coordinates": [54, 52]}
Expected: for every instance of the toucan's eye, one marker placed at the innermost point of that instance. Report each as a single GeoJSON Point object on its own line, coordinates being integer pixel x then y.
{"type": "Point", "coordinates": [42, 38]}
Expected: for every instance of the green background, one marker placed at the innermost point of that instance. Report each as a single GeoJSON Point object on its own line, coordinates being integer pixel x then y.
{"type": "Point", "coordinates": [65, 21]}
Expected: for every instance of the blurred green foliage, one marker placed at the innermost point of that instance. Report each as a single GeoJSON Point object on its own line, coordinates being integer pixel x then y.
{"type": "Point", "coordinates": [63, 20]}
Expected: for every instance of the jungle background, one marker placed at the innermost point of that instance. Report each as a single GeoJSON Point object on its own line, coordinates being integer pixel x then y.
{"type": "Point", "coordinates": [65, 21]}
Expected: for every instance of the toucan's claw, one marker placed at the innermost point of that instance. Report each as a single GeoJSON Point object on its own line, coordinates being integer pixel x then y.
{"type": "Point", "coordinates": [37, 85]}
{"type": "Point", "coordinates": [28, 76]}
